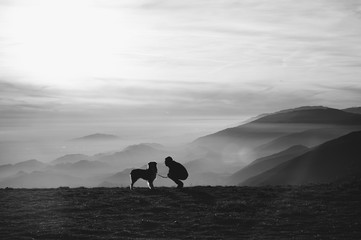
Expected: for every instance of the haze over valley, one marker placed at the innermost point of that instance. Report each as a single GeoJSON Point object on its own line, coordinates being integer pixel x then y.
{"type": "Point", "coordinates": [232, 156]}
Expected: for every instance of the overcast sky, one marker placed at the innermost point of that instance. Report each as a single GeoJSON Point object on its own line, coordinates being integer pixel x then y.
{"type": "Point", "coordinates": [171, 67]}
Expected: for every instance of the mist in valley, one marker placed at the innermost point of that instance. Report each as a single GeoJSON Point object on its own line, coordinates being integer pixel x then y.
{"type": "Point", "coordinates": [220, 158]}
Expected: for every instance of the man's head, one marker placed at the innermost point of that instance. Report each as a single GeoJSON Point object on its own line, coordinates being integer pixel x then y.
{"type": "Point", "coordinates": [168, 160]}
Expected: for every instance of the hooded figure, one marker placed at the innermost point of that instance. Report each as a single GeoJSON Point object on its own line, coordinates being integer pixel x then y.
{"type": "Point", "coordinates": [177, 171]}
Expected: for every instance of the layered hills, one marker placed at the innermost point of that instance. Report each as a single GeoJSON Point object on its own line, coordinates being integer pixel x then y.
{"type": "Point", "coordinates": [332, 161]}
{"type": "Point", "coordinates": [266, 163]}
{"type": "Point", "coordinates": [241, 142]}
{"type": "Point", "coordinates": [285, 147]}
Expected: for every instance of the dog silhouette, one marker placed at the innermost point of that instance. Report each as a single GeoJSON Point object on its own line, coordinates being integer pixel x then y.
{"type": "Point", "coordinates": [148, 174]}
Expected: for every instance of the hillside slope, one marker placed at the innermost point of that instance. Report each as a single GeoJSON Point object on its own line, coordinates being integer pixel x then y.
{"type": "Point", "coordinates": [336, 159]}
{"type": "Point", "coordinates": [266, 163]}
{"type": "Point", "coordinates": [240, 142]}
{"type": "Point", "coordinates": [314, 116]}
{"type": "Point", "coordinates": [308, 138]}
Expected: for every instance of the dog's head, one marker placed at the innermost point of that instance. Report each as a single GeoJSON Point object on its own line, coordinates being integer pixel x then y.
{"type": "Point", "coordinates": [152, 166]}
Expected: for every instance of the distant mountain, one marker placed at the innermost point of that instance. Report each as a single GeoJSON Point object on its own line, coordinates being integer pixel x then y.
{"type": "Point", "coordinates": [302, 108]}
{"type": "Point", "coordinates": [356, 110]}
{"type": "Point", "coordinates": [120, 179]}
{"type": "Point", "coordinates": [25, 166]}
{"type": "Point", "coordinates": [70, 158]}
{"type": "Point", "coordinates": [255, 118]}
{"type": "Point", "coordinates": [29, 164]}
{"type": "Point", "coordinates": [286, 111]}
{"type": "Point", "coordinates": [239, 142]}
{"type": "Point", "coordinates": [207, 172]}
{"type": "Point", "coordinates": [86, 164]}
{"type": "Point", "coordinates": [83, 168]}
{"type": "Point", "coordinates": [82, 165]}
{"type": "Point", "coordinates": [266, 163]}
{"type": "Point", "coordinates": [155, 145]}
{"type": "Point", "coordinates": [313, 116]}
{"type": "Point", "coordinates": [197, 165]}
{"type": "Point", "coordinates": [336, 159]}
{"type": "Point", "coordinates": [97, 137]}
{"type": "Point", "coordinates": [5, 166]}
{"type": "Point", "coordinates": [134, 155]}
{"type": "Point", "coordinates": [232, 144]}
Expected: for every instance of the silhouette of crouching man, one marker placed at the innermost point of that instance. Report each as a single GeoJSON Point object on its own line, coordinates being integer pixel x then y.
{"type": "Point", "coordinates": [177, 171]}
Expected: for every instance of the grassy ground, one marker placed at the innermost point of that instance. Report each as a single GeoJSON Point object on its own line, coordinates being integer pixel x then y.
{"type": "Point", "coordinates": [308, 212]}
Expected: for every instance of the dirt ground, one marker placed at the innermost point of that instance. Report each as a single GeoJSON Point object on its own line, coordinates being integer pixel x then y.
{"type": "Point", "coordinates": [305, 212]}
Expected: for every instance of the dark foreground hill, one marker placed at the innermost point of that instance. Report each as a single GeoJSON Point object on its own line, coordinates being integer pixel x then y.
{"type": "Point", "coordinates": [334, 160]}
{"type": "Point", "coordinates": [266, 163]}
{"type": "Point", "coordinates": [307, 212]}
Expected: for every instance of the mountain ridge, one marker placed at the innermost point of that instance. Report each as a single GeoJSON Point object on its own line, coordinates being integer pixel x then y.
{"type": "Point", "coordinates": [96, 137]}
{"type": "Point", "coordinates": [266, 163]}
{"type": "Point", "coordinates": [240, 141]}
{"type": "Point", "coordinates": [335, 159]}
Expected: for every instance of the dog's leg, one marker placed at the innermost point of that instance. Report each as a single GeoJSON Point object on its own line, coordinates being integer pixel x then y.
{"type": "Point", "coordinates": [133, 180]}
{"type": "Point", "coordinates": [150, 184]}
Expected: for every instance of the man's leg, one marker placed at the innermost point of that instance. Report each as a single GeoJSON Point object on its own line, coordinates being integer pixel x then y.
{"type": "Point", "coordinates": [180, 183]}
{"type": "Point", "coordinates": [176, 180]}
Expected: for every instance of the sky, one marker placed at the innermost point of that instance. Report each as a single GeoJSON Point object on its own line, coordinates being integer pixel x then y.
{"type": "Point", "coordinates": [163, 70]}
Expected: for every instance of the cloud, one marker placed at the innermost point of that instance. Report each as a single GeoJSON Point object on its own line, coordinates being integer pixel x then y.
{"type": "Point", "coordinates": [20, 93]}
{"type": "Point", "coordinates": [7, 87]}
{"type": "Point", "coordinates": [157, 59]}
